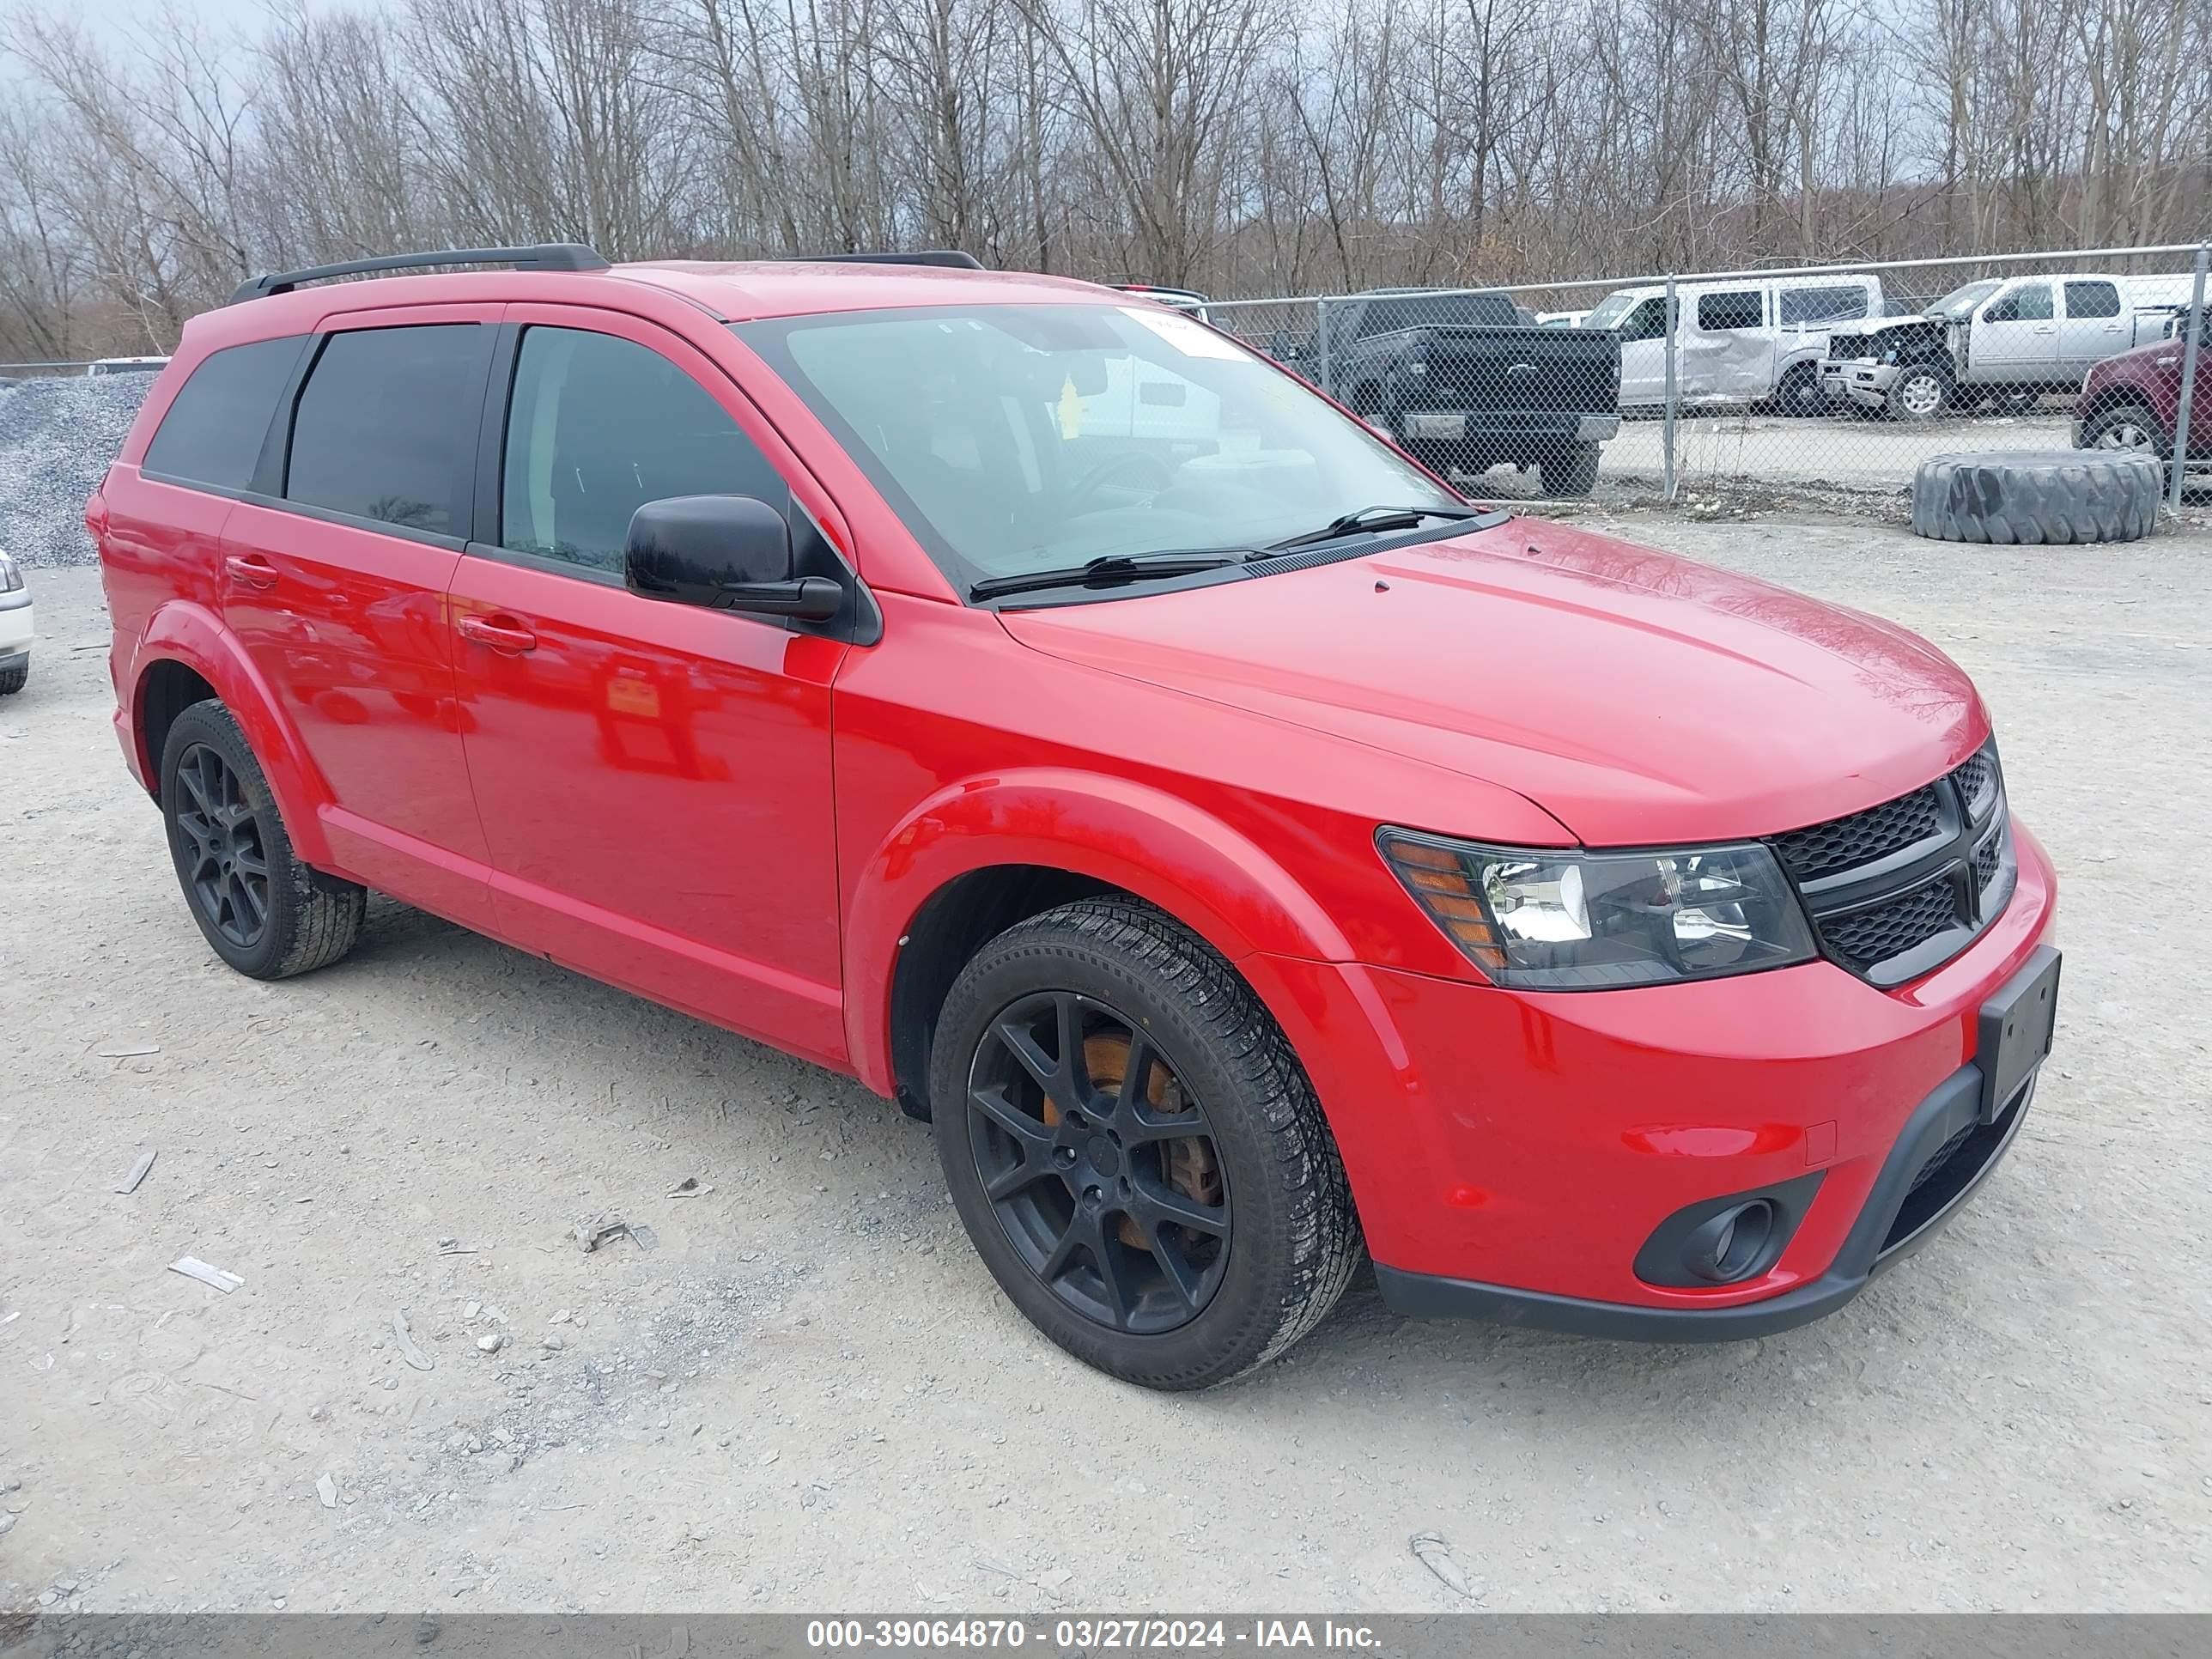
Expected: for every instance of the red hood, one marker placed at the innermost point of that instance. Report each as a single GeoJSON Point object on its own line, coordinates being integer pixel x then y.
{"type": "Point", "coordinates": [1637, 697]}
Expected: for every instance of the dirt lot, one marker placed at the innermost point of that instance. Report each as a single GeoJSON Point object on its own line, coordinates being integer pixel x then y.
{"type": "Point", "coordinates": [809, 1396]}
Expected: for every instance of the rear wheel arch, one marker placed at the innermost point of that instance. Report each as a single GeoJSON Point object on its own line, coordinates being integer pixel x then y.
{"type": "Point", "coordinates": [186, 656]}
{"type": "Point", "coordinates": [165, 689]}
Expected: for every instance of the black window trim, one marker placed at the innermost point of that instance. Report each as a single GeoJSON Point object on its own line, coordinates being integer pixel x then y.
{"type": "Point", "coordinates": [273, 472]}
{"type": "Point", "coordinates": [285, 393]}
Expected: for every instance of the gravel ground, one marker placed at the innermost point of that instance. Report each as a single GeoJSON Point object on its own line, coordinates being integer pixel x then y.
{"type": "Point", "coordinates": [810, 1394]}
{"type": "Point", "coordinates": [56, 437]}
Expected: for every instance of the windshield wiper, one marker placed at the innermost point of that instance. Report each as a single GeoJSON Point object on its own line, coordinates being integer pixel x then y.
{"type": "Point", "coordinates": [1112, 568]}
{"type": "Point", "coordinates": [1369, 520]}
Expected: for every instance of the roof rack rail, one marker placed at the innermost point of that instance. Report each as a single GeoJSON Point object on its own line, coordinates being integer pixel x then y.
{"type": "Point", "coordinates": [546, 256]}
{"type": "Point", "coordinates": [949, 257]}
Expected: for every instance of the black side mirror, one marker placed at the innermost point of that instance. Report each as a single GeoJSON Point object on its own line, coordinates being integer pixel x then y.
{"type": "Point", "coordinates": [724, 553]}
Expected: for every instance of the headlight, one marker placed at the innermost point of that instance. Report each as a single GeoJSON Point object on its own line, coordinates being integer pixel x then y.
{"type": "Point", "coordinates": [1416, 366]}
{"type": "Point", "coordinates": [1889, 356]}
{"type": "Point", "coordinates": [1587, 921]}
{"type": "Point", "coordinates": [10, 578]}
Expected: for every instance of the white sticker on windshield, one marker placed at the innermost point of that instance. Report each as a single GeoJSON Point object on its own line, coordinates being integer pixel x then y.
{"type": "Point", "coordinates": [1187, 335]}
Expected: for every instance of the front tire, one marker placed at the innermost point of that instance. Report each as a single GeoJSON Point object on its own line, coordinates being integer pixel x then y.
{"type": "Point", "coordinates": [264, 912]}
{"type": "Point", "coordinates": [2128, 428]}
{"type": "Point", "coordinates": [14, 676]}
{"type": "Point", "coordinates": [1135, 1150]}
{"type": "Point", "coordinates": [1799, 395]}
{"type": "Point", "coordinates": [1921, 392]}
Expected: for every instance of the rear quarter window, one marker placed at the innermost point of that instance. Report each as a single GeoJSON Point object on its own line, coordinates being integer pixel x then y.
{"type": "Point", "coordinates": [212, 433]}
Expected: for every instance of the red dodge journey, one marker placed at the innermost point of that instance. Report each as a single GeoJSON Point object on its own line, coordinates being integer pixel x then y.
{"type": "Point", "coordinates": [1248, 855]}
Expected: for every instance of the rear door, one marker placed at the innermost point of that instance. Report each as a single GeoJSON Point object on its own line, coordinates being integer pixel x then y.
{"type": "Point", "coordinates": [334, 579]}
{"type": "Point", "coordinates": [2092, 325]}
{"type": "Point", "coordinates": [654, 778]}
{"type": "Point", "coordinates": [1727, 347]}
{"type": "Point", "coordinates": [2014, 340]}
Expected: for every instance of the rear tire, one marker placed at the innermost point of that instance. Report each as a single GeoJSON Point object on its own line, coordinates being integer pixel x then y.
{"type": "Point", "coordinates": [1067, 1186]}
{"type": "Point", "coordinates": [264, 912]}
{"type": "Point", "coordinates": [1571, 474]}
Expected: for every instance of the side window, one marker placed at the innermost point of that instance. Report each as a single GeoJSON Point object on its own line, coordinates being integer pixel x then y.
{"type": "Point", "coordinates": [599, 426]}
{"type": "Point", "coordinates": [212, 433]}
{"type": "Point", "coordinates": [1822, 305]}
{"type": "Point", "coordinates": [1647, 322]}
{"type": "Point", "coordinates": [386, 426]}
{"type": "Point", "coordinates": [2027, 304]}
{"type": "Point", "coordinates": [2092, 300]}
{"type": "Point", "coordinates": [1741, 309]}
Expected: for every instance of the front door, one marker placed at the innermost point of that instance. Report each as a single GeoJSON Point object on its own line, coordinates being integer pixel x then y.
{"type": "Point", "coordinates": [338, 592]}
{"type": "Point", "coordinates": [2014, 340]}
{"type": "Point", "coordinates": [654, 778]}
{"type": "Point", "coordinates": [1643, 354]}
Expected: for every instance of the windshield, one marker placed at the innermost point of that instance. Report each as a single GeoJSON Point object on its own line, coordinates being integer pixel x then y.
{"type": "Point", "coordinates": [1960, 301]}
{"type": "Point", "coordinates": [1608, 312]}
{"type": "Point", "coordinates": [1011, 439]}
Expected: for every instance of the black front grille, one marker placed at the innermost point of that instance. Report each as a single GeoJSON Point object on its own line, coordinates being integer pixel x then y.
{"type": "Point", "coordinates": [1866, 938]}
{"type": "Point", "coordinates": [1900, 888]}
{"type": "Point", "coordinates": [1986, 860]}
{"type": "Point", "coordinates": [1862, 838]}
{"type": "Point", "coordinates": [1934, 1166]}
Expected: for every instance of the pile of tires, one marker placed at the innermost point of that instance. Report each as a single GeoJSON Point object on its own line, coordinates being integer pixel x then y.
{"type": "Point", "coordinates": [2034, 497]}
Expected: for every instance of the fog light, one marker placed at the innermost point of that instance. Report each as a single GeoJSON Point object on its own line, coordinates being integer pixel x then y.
{"type": "Point", "coordinates": [1730, 1246]}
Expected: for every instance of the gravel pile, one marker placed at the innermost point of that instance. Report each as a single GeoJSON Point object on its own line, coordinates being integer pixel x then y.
{"type": "Point", "coordinates": [56, 437]}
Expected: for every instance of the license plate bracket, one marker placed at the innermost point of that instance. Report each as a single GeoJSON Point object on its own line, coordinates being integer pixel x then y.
{"type": "Point", "coordinates": [2016, 1030]}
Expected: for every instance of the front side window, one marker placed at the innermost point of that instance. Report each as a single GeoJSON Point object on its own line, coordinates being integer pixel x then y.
{"type": "Point", "coordinates": [2091, 300]}
{"type": "Point", "coordinates": [2030, 304]}
{"type": "Point", "coordinates": [386, 425]}
{"type": "Point", "coordinates": [1744, 308]}
{"type": "Point", "coordinates": [212, 433]}
{"type": "Point", "coordinates": [598, 427]}
{"type": "Point", "coordinates": [1822, 305]}
{"type": "Point", "coordinates": [1011, 439]}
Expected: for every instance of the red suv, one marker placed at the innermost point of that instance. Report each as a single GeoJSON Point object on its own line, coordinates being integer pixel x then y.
{"type": "Point", "coordinates": [2133, 401]}
{"type": "Point", "coordinates": [1023, 698]}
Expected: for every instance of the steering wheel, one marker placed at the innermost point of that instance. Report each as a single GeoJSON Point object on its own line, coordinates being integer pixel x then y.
{"type": "Point", "coordinates": [1081, 492]}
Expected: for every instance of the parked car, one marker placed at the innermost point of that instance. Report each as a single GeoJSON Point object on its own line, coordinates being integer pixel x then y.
{"type": "Point", "coordinates": [1245, 858]}
{"type": "Point", "coordinates": [1740, 340]}
{"type": "Point", "coordinates": [2133, 401]}
{"type": "Point", "coordinates": [124, 366]}
{"type": "Point", "coordinates": [2001, 343]}
{"type": "Point", "coordinates": [1465, 384]}
{"type": "Point", "coordinates": [18, 628]}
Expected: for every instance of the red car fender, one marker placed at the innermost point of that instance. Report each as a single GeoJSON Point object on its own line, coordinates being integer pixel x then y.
{"type": "Point", "coordinates": [184, 632]}
{"type": "Point", "coordinates": [1211, 877]}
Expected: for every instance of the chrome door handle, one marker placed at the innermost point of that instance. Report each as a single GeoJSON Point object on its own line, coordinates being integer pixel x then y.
{"type": "Point", "coordinates": [251, 572]}
{"type": "Point", "coordinates": [507, 636]}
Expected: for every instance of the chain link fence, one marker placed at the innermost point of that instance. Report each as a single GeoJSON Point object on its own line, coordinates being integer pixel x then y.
{"type": "Point", "coordinates": [1831, 382]}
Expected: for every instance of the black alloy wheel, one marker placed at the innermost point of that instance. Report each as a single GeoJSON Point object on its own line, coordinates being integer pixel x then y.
{"type": "Point", "coordinates": [1099, 1164]}
{"type": "Point", "coordinates": [226, 869]}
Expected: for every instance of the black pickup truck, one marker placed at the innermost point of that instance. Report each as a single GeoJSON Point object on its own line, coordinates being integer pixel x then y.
{"type": "Point", "coordinates": [1463, 382]}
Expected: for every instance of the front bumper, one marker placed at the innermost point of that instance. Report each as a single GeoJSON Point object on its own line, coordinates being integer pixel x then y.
{"type": "Point", "coordinates": [1512, 1153]}
{"type": "Point", "coordinates": [1863, 383]}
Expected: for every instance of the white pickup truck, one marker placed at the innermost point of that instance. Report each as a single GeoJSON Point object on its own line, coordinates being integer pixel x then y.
{"type": "Point", "coordinates": [1998, 344]}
